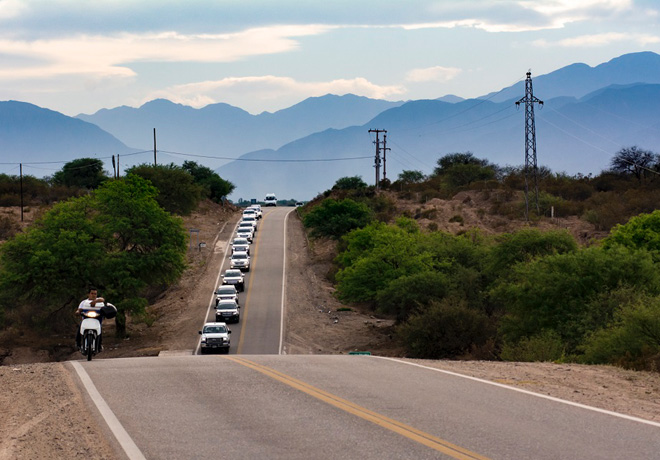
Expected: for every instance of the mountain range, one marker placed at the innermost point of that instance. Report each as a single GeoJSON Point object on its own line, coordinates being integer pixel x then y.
{"type": "Point", "coordinates": [588, 114]}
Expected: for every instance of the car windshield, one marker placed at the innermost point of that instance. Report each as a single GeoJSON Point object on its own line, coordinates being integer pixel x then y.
{"type": "Point", "coordinates": [245, 225]}
{"type": "Point", "coordinates": [214, 329]}
{"type": "Point", "coordinates": [226, 290]}
{"type": "Point", "coordinates": [248, 218]}
{"type": "Point", "coordinates": [233, 273]}
{"type": "Point", "coordinates": [226, 306]}
{"type": "Point", "coordinates": [240, 255]}
{"type": "Point", "coordinates": [240, 241]}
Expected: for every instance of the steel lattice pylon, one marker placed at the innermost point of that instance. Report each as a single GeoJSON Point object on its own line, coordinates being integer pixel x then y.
{"type": "Point", "coordinates": [530, 143]}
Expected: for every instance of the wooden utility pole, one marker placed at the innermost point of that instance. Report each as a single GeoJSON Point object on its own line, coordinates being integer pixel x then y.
{"type": "Point", "coordinates": [154, 146]}
{"type": "Point", "coordinates": [385, 149]}
{"type": "Point", "coordinates": [377, 159]}
{"type": "Point", "coordinates": [21, 173]}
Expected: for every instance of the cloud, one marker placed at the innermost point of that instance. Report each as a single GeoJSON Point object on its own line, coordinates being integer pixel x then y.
{"type": "Point", "coordinates": [11, 8]}
{"type": "Point", "coordinates": [437, 73]}
{"type": "Point", "coordinates": [271, 91]}
{"type": "Point", "coordinates": [605, 39]}
{"type": "Point", "coordinates": [109, 56]}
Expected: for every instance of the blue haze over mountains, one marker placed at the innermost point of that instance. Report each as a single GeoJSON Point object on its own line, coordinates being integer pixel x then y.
{"type": "Point", "coordinates": [588, 115]}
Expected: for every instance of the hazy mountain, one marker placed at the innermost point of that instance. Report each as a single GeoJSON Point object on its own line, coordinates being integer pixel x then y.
{"type": "Point", "coordinates": [577, 80]}
{"type": "Point", "coordinates": [573, 135]}
{"type": "Point", "coordinates": [30, 134]}
{"type": "Point", "coordinates": [221, 130]}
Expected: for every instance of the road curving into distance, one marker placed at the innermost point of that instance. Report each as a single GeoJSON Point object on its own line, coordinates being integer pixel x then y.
{"type": "Point", "coordinates": [256, 403]}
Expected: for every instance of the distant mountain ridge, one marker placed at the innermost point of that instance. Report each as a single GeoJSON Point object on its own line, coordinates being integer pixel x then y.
{"type": "Point", "coordinates": [30, 134]}
{"type": "Point", "coordinates": [222, 130]}
{"type": "Point", "coordinates": [589, 114]}
{"type": "Point", "coordinates": [579, 79]}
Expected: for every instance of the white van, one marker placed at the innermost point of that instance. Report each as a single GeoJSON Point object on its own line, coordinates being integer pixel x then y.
{"type": "Point", "coordinates": [270, 200]}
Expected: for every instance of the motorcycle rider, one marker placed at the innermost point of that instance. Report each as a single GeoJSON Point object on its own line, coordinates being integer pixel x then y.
{"type": "Point", "coordinates": [88, 304]}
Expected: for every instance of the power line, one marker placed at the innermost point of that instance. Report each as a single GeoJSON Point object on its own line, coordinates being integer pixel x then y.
{"type": "Point", "coordinates": [267, 160]}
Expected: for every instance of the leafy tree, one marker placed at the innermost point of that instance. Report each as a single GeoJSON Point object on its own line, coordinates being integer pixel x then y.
{"type": "Point", "coordinates": [216, 187]}
{"type": "Point", "coordinates": [335, 218]}
{"type": "Point", "coordinates": [640, 232]}
{"type": "Point", "coordinates": [631, 340]}
{"type": "Point", "coordinates": [451, 160]}
{"type": "Point", "coordinates": [408, 294]}
{"type": "Point", "coordinates": [460, 169]}
{"type": "Point", "coordinates": [634, 161]}
{"type": "Point", "coordinates": [411, 177]}
{"type": "Point", "coordinates": [84, 173]}
{"type": "Point", "coordinates": [526, 245]}
{"type": "Point", "coordinates": [564, 292]}
{"type": "Point", "coordinates": [117, 239]}
{"type": "Point", "coordinates": [178, 192]}
{"type": "Point", "coordinates": [349, 183]}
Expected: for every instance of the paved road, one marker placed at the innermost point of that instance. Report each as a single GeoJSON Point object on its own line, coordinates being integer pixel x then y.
{"type": "Point", "coordinates": [260, 328]}
{"type": "Point", "coordinates": [303, 407]}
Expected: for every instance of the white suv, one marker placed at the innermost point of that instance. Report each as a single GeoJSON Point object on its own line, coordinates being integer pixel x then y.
{"type": "Point", "coordinates": [240, 260]}
{"type": "Point", "coordinates": [271, 200]}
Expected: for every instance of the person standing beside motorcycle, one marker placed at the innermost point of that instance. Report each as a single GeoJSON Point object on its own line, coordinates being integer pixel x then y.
{"type": "Point", "coordinates": [88, 304]}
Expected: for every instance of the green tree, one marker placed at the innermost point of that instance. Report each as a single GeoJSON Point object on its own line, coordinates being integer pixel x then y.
{"type": "Point", "coordinates": [632, 340]}
{"type": "Point", "coordinates": [178, 192]}
{"type": "Point", "coordinates": [216, 187]}
{"type": "Point", "coordinates": [84, 173]}
{"type": "Point", "coordinates": [349, 183]}
{"type": "Point", "coordinates": [640, 232]}
{"type": "Point", "coordinates": [336, 218]}
{"type": "Point", "coordinates": [118, 239]}
{"type": "Point", "coordinates": [411, 177]}
{"type": "Point", "coordinates": [459, 169]}
{"type": "Point", "coordinates": [565, 292]}
{"type": "Point", "coordinates": [409, 294]}
{"type": "Point", "coordinates": [526, 245]}
{"type": "Point", "coordinates": [394, 253]}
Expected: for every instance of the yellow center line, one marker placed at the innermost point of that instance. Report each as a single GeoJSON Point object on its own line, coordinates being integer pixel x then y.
{"type": "Point", "coordinates": [248, 288]}
{"type": "Point", "coordinates": [409, 432]}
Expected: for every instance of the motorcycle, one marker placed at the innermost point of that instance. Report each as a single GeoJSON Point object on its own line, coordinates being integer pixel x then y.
{"type": "Point", "coordinates": [90, 328]}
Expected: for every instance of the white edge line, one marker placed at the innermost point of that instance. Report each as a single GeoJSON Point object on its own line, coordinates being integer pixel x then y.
{"type": "Point", "coordinates": [217, 280]}
{"type": "Point", "coordinates": [531, 393]}
{"type": "Point", "coordinates": [123, 438]}
{"type": "Point", "coordinates": [279, 352]}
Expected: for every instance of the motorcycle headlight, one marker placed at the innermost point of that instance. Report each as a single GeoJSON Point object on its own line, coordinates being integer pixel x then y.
{"type": "Point", "coordinates": [92, 314]}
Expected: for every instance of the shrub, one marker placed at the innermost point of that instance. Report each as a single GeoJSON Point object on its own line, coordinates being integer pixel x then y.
{"type": "Point", "coordinates": [457, 218]}
{"type": "Point", "coordinates": [545, 346]}
{"type": "Point", "coordinates": [632, 340]}
{"type": "Point", "coordinates": [445, 329]}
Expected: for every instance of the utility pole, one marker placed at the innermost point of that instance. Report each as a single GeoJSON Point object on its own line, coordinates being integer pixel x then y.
{"type": "Point", "coordinates": [530, 142]}
{"type": "Point", "coordinates": [154, 146]}
{"type": "Point", "coordinates": [377, 159]}
{"type": "Point", "coordinates": [385, 149]}
{"type": "Point", "coordinates": [21, 170]}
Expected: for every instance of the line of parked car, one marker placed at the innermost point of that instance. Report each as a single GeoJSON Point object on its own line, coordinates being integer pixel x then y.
{"type": "Point", "coordinates": [215, 335]}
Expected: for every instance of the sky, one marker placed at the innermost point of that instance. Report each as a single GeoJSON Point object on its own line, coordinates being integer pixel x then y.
{"type": "Point", "coordinates": [79, 56]}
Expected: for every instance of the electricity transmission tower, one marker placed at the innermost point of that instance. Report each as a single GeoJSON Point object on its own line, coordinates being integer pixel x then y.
{"type": "Point", "coordinates": [530, 143]}
{"type": "Point", "coordinates": [377, 160]}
